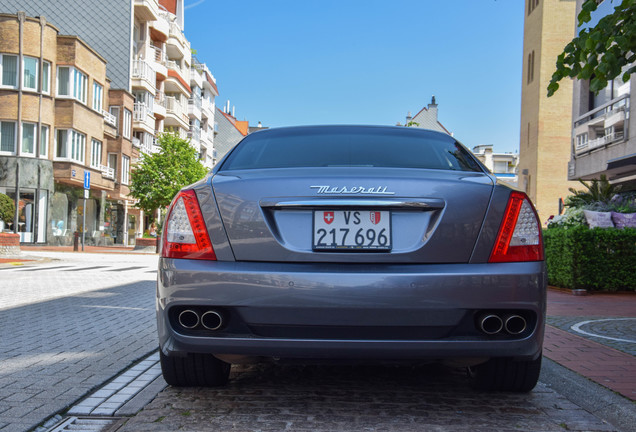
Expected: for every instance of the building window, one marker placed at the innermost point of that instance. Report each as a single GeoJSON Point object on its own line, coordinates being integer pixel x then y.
{"type": "Point", "coordinates": [98, 92]}
{"type": "Point", "coordinates": [30, 76]}
{"type": "Point", "coordinates": [71, 83]}
{"type": "Point", "coordinates": [112, 163]}
{"type": "Point", "coordinates": [28, 139]}
{"type": "Point", "coordinates": [114, 110]}
{"type": "Point", "coordinates": [532, 5]}
{"type": "Point", "coordinates": [531, 67]}
{"type": "Point", "coordinates": [44, 141]}
{"type": "Point", "coordinates": [127, 126]}
{"type": "Point", "coordinates": [96, 153]}
{"type": "Point", "coordinates": [9, 69]}
{"type": "Point", "coordinates": [7, 137]}
{"type": "Point", "coordinates": [125, 169]}
{"type": "Point", "coordinates": [46, 77]}
{"type": "Point", "coordinates": [70, 145]}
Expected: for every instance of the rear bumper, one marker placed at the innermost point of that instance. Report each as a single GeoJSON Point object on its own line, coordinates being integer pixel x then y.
{"type": "Point", "coordinates": [269, 306]}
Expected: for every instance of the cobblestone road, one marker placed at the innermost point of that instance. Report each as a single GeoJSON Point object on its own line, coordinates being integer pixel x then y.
{"type": "Point", "coordinates": [346, 398]}
{"type": "Point", "coordinates": [68, 325]}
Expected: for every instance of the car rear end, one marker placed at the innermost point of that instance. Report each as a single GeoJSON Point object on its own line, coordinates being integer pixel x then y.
{"type": "Point", "coordinates": [357, 243]}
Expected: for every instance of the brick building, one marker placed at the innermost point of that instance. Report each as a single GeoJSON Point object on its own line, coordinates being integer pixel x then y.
{"type": "Point", "coordinates": [54, 128]}
{"type": "Point", "coordinates": [544, 146]}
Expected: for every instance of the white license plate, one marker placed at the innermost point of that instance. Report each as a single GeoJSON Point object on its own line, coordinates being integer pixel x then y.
{"type": "Point", "coordinates": [352, 229]}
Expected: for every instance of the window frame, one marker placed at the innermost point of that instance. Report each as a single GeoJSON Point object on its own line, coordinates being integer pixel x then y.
{"type": "Point", "coordinates": [15, 136]}
{"type": "Point", "coordinates": [17, 71]}
{"type": "Point", "coordinates": [46, 77]}
{"type": "Point", "coordinates": [44, 142]}
{"type": "Point", "coordinates": [125, 169]}
{"type": "Point", "coordinates": [96, 160]}
{"type": "Point", "coordinates": [127, 124]}
{"type": "Point", "coordinates": [24, 73]}
{"type": "Point", "coordinates": [74, 146]}
{"type": "Point", "coordinates": [98, 97]}
{"type": "Point", "coordinates": [77, 84]}
{"type": "Point", "coordinates": [34, 126]}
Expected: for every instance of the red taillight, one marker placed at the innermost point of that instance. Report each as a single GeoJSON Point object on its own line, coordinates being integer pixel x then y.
{"type": "Point", "coordinates": [519, 237]}
{"type": "Point", "coordinates": [185, 234]}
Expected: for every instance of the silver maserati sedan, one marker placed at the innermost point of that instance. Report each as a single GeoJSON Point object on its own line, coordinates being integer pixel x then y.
{"type": "Point", "coordinates": [355, 243]}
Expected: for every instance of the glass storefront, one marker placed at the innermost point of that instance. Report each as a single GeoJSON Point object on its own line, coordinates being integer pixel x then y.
{"type": "Point", "coordinates": [31, 222]}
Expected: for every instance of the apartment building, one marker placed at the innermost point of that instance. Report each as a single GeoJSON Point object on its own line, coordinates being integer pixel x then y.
{"type": "Point", "coordinates": [55, 129]}
{"type": "Point", "coordinates": [201, 108]}
{"type": "Point", "coordinates": [601, 140]}
{"type": "Point", "coordinates": [502, 165]}
{"type": "Point", "coordinates": [148, 59]}
{"type": "Point", "coordinates": [544, 145]}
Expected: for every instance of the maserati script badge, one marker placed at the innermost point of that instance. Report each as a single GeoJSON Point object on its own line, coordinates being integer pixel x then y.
{"type": "Point", "coordinates": [354, 190]}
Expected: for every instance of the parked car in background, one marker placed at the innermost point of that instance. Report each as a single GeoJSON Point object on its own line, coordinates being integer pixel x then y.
{"type": "Point", "coordinates": [351, 242]}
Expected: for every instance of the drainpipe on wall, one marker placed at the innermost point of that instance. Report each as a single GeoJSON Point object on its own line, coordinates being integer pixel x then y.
{"type": "Point", "coordinates": [21, 20]}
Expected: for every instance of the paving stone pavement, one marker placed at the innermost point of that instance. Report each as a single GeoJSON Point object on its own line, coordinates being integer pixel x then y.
{"type": "Point", "coordinates": [269, 397]}
{"type": "Point", "coordinates": [65, 332]}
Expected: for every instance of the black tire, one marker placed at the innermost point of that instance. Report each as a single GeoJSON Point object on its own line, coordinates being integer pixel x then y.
{"type": "Point", "coordinates": [506, 374]}
{"type": "Point", "coordinates": [194, 370]}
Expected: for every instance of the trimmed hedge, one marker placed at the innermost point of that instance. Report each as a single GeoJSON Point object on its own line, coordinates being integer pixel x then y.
{"type": "Point", "coordinates": [7, 208]}
{"type": "Point", "coordinates": [598, 259]}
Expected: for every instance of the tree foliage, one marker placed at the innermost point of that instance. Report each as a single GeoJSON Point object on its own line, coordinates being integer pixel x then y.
{"type": "Point", "coordinates": [159, 176]}
{"type": "Point", "coordinates": [7, 208]}
{"type": "Point", "coordinates": [602, 52]}
{"type": "Point", "coordinates": [598, 191]}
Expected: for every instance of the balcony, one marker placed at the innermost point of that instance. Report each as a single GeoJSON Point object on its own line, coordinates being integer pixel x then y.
{"type": "Point", "coordinates": [159, 65]}
{"type": "Point", "coordinates": [607, 115]}
{"type": "Point", "coordinates": [160, 105]}
{"type": "Point", "coordinates": [585, 146]}
{"type": "Point", "coordinates": [175, 114]}
{"type": "Point", "coordinates": [109, 118]}
{"type": "Point", "coordinates": [177, 45]}
{"type": "Point", "coordinates": [146, 10]}
{"type": "Point", "coordinates": [194, 107]}
{"type": "Point", "coordinates": [143, 76]}
{"type": "Point", "coordinates": [143, 117]}
{"type": "Point", "coordinates": [107, 172]}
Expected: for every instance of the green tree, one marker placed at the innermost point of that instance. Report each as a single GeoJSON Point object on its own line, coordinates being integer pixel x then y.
{"type": "Point", "coordinates": [602, 52]}
{"type": "Point", "coordinates": [598, 191]}
{"type": "Point", "coordinates": [157, 178]}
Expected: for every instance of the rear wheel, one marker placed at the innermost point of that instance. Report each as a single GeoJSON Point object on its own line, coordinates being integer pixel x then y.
{"type": "Point", "coordinates": [506, 374]}
{"type": "Point", "coordinates": [194, 370]}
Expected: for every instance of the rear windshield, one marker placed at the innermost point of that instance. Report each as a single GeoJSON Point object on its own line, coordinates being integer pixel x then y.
{"type": "Point", "coordinates": [365, 147]}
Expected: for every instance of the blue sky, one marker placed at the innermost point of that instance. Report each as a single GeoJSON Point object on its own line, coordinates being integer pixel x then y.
{"type": "Point", "coordinates": [295, 62]}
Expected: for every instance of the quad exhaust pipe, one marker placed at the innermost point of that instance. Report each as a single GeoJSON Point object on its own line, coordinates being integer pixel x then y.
{"type": "Point", "coordinates": [492, 324]}
{"type": "Point", "coordinates": [210, 319]}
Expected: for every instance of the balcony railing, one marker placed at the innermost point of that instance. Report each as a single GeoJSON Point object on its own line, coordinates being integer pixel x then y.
{"type": "Point", "coordinates": [195, 100]}
{"type": "Point", "coordinates": [142, 70]}
{"type": "Point", "coordinates": [160, 55]}
{"type": "Point", "coordinates": [141, 112]}
{"type": "Point", "coordinates": [107, 172]}
{"type": "Point", "coordinates": [599, 142]}
{"type": "Point", "coordinates": [136, 142]}
{"type": "Point", "coordinates": [109, 118]}
{"type": "Point", "coordinates": [621, 103]}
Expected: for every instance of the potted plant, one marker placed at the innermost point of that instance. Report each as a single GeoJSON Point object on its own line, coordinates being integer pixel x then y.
{"type": "Point", "coordinates": [7, 211]}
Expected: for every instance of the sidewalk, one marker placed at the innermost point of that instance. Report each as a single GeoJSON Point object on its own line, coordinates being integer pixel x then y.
{"type": "Point", "coordinates": [595, 336]}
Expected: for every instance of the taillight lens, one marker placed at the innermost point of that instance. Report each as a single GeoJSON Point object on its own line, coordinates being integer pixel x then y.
{"type": "Point", "coordinates": [185, 234]}
{"type": "Point", "coordinates": [519, 237]}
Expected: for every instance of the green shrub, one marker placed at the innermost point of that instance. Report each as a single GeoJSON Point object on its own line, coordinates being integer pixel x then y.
{"type": "Point", "coordinates": [7, 209]}
{"type": "Point", "coordinates": [599, 259]}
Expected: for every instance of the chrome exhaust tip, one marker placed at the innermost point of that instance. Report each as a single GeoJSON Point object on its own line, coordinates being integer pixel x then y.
{"type": "Point", "coordinates": [491, 324]}
{"type": "Point", "coordinates": [188, 319]}
{"type": "Point", "coordinates": [212, 320]}
{"type": "Point", "coordinates": [515, 324]}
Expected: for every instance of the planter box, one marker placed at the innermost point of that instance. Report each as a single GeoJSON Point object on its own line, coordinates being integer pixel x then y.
{"type": "Point", "coordinates": [146, 244]}
{"type": "Point", "coordinates": [9, 244]}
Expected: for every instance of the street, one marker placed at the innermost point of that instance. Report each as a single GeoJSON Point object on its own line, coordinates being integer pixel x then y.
{"type": "Point", "coordinates": [79, 334]}
{"type": "Point", "coordinates": [68, 325]}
